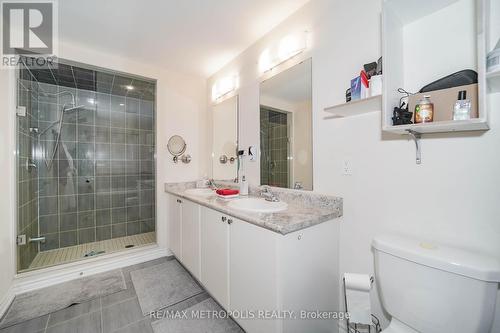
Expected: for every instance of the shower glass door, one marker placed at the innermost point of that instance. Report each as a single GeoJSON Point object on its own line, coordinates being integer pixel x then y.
{"type": "Point", "coordinates": [27, 173]}
{"type": "Point", "coordinates": [86, 165]}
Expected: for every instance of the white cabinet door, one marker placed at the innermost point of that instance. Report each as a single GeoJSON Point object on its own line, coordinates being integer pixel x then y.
{"type": "Point", "coordinates": [174, 225]}
{"type": "Point", "coordinates": [191, 237]}
{"type": "Point", "coordinates": [215, 254]}
{"type": "Point", "coordinates": [253, 274]}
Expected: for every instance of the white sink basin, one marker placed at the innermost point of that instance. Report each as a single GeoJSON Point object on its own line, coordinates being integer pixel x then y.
{"type": "Point", "coordinates": [202, 192]}
{"type": "Point", "coordinates": [258, 205]}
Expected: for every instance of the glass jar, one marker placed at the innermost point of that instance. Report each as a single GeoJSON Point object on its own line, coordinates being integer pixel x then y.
{"type": "Point", "coordinates": [424, 110]}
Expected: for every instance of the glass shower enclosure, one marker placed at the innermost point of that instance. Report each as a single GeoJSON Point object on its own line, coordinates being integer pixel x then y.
{"type": "Point", "coordinates": [85, 163]}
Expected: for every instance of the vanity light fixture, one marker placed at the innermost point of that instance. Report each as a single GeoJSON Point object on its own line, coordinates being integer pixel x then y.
{"type": "Point", "coordinates": [224, 86]}
{"type": "Point", "coordinates": [288, 47]}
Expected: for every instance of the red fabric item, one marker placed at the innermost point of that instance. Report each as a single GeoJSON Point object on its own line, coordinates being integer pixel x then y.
{"type": "Point", "coordinates": [364, 79]}
{"type": "Point", "coordinates": [227, 191]}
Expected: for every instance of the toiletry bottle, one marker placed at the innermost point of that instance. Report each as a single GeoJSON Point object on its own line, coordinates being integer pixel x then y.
{"type": "Point", "coordinates": [243, 186]}
{"type": "Point", "coordinates": [241, 171]}
{"type": "Point", "coordinates": [424, 110]}
{"type": "Point", "coordinates": [462, 109]}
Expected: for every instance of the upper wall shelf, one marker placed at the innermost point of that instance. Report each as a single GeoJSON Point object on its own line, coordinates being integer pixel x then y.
{"type": "Point", "coordinates": [354, 108]}
{"type": "Point", "coordinates": [419, 38]}
{"type": "Point", "coordinates": [442, 127]}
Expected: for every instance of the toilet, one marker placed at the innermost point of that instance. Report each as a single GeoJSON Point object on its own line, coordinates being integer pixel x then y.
{"type": "Point", "coordinates": [430, 288]}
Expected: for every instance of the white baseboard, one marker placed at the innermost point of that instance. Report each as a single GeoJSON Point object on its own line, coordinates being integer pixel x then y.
{"type": "Point", "coordinates": [45, 277]}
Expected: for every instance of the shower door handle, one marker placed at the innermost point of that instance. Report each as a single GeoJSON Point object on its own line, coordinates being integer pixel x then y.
{"type": "Point", "coordinates": [30, 164]}
{"type": "Point", "coordinates": [37, 240]}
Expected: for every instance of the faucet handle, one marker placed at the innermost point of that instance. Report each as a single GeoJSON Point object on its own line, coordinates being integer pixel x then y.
{"type": "Point", "coordinates": [268, 194]}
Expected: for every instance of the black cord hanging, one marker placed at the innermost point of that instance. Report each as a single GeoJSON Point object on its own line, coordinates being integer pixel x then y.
{"type": "Point", "coordinates": [401, 115]}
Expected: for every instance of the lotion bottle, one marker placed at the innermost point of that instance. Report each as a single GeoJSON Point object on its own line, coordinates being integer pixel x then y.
{"type": "Point", "coordinates": [243, 186]}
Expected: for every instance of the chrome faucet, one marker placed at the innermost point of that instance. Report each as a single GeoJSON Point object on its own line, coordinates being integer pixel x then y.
{"type": "Point", "coordinates": [268, 195]}
{"type": "Point", "coordinates": [211, 184]}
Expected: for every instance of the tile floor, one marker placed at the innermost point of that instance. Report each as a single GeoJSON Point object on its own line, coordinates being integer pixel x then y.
{"type": "Point", "coordinates": [118, 312]}
{"type": "Point", "coordinates": [77, 252]}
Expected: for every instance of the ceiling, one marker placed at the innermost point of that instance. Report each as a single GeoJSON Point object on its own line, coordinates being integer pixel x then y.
{"type": "Point", "coordinates": [72, 76]}
{"type": "Point", "coordinates": [193, 36]}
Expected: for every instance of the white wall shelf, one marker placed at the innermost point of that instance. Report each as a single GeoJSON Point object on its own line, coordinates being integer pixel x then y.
{"type": "Point", "coordinates": [355, 108]}
{"type": "Point", "coordinates": [442, 127]}
{"type": "Point", "coordinates": [418, 40]}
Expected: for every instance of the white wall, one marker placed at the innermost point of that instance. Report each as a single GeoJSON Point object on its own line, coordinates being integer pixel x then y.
{"type": "Point", "coordinates": [458, 180]}
{"type": "Point", "coordinates": [181, 109]}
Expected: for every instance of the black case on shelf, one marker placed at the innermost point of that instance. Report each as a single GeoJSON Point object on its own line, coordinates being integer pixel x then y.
{"type": "Point", "coordinates": [461, 78]}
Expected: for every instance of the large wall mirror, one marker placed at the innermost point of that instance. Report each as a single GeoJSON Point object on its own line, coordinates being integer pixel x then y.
{"type": "Point", "coordinates": [286, 128]}
{"type": "Point", "coordinates": [225, 140]}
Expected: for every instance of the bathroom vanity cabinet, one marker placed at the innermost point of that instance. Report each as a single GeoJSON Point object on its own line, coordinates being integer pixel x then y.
{"type": "Point", "coordinates": [190, 236]}
{"type": "Point", "coordinates": [184, 232]}
{"type": "Point", "coordinates": [254, 272]}
{"type": "Point", "coordinates": [174, 225]}
{"type": "Point", "coordinates": [215, 255]}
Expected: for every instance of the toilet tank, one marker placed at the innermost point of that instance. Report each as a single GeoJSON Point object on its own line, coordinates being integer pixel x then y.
{"type": "Point", "coordinates": [435, 288]}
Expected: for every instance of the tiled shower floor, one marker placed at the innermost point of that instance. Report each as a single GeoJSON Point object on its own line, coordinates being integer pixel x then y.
{"type": "Point", "coordinates": [77, 252]}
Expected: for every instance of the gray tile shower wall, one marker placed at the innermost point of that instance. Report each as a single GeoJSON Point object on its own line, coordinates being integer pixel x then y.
{"type": "Point", "coordinates": [101, 184]}
{"type": "Point", "coordinates": [274, 147]}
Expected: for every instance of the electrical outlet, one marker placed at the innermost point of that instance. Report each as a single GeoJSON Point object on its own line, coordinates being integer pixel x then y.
{"type": "Point", "coordinates": [346, 167]}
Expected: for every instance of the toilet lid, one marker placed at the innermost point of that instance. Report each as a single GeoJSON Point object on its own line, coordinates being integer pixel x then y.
{"type": "Point", "coordinates": [449, 259]}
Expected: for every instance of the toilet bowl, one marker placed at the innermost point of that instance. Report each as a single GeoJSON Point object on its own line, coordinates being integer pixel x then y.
{"type": "Point", "coordinates": [430, 288]}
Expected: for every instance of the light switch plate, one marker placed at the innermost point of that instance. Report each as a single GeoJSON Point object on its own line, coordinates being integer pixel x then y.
{"type": "Point", "coordinates": [346, 167]}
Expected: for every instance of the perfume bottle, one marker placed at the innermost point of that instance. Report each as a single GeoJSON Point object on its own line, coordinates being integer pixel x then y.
{"type": "Point", "coordinates": [462, 109]}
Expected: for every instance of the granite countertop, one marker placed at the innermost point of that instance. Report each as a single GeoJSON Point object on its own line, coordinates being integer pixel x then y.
{"type": "Point", "coordinates": [305, 209]}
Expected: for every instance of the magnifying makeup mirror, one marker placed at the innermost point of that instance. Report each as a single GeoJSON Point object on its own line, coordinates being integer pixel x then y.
{"type": "Point", "coordinates": [176, 146]}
